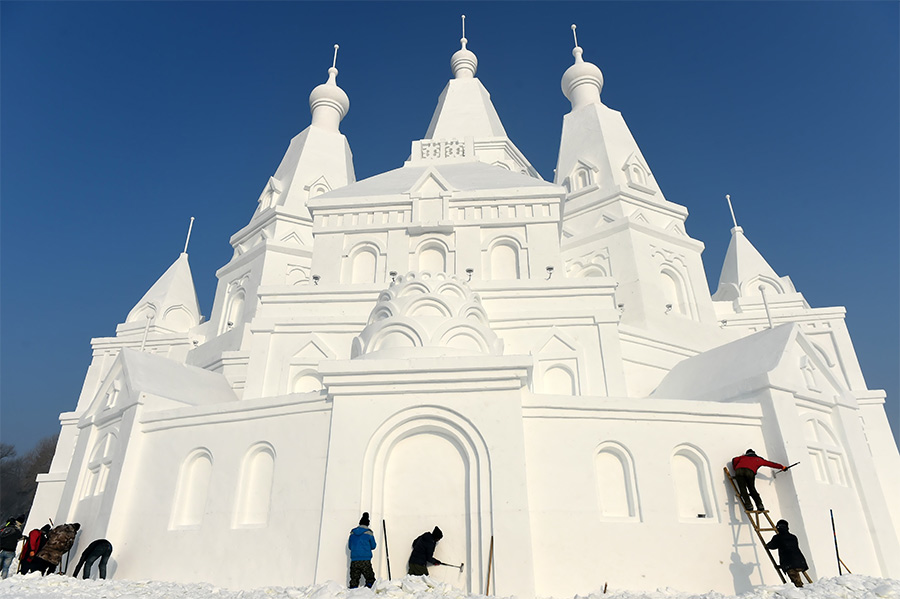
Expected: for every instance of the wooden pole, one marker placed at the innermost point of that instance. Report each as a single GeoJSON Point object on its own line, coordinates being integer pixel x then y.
{"type": "Point", "coordinates": [487, 587]}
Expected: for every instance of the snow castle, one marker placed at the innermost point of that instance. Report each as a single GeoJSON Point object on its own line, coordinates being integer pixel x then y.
{"type": "Point", "coordinates": [537, 367]}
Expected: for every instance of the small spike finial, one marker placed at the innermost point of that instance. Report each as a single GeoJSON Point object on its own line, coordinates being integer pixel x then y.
{"type": "Point", "coordinates": [186, 241]}
{"type": "Point", "coordinates": [574, 35]}
{"type": "Point", "coordinates": [334, 61]}
{"type": "Point", "coordinates": [464, 26]}
{"type": "Point", "coordinates": [730, 207]}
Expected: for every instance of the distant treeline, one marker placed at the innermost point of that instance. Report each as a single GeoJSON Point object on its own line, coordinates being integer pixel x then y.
{"type": "Point", "coordinates": [18, 474]}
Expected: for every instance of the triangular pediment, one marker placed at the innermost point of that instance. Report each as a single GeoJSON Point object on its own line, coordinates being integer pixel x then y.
{"type": "Point", "coordinates": [431, 184]}
{"type": "Point", "coordinates": [554, 343]}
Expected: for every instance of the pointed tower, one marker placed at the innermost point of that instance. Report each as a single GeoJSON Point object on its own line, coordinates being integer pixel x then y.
{"type": "Point", "coordinates": [275, 248]}
{"type": "Point", "coordinates": [170, 304]}
{"type": "Point", "coordinates": [465, 122]}
{"type": "Point", "coordinates": [745, 271]}
{"type": "Point", "coordinates": [616, 221]}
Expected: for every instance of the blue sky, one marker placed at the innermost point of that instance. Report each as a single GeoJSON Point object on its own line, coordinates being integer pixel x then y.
{"type": "Point", "coordinates": [120, 121]}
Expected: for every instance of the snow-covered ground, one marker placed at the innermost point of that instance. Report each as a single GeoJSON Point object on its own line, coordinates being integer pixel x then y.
{"type": "Point", "coordinates": [34, 586]}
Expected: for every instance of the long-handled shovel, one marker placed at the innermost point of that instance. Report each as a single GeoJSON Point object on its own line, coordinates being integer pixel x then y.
{"type": "Point", "coordinates": [454, 566]}
{"type": "Point", "coordinates": [785, 470]}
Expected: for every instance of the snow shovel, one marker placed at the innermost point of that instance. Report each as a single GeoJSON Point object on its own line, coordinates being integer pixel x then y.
{"type": "Point", "coordinates": [454, 566]}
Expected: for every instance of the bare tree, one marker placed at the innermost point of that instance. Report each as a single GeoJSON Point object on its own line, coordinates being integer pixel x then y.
{"type": "Point", "coordinates": [18, 475]}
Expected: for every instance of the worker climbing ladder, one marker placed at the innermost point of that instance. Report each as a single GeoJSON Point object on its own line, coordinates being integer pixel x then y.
{"type": "Point", "coordinates": [755, 517]}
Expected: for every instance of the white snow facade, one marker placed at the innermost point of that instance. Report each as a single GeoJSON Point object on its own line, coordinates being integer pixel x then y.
{"type": "Point", "coordinates": [539, 368]}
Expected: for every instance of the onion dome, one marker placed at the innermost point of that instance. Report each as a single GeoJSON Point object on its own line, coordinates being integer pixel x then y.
{"type": "Point", "coordinates": [463, 63]}
{"type": "Point", "coordinates": [583, 81]}
{"type": "Point", "coordinates": [328, 103]}
{"type": "Point", "coordinates": [425, 314]}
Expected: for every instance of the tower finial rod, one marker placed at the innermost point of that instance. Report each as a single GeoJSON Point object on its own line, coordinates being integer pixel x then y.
{"type": "Point", "coordinates": [334, 61]}
{"type": "Point", "coordinates": [574, 35]}
{"type": "Point", "coordinates": [730, 207]}
{"type": "Point", "coordinates": [186, 241]}
{"type": "Point", "coordinates": [464, 26]}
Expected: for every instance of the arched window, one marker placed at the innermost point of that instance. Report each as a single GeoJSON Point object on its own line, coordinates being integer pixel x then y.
{"type": "Point", "coordinates": [616, 488]}
{"type": "Point", "coordinates": [255, 487]}
{"type": "Point", "coordinates": [693, 485]}
{"type": "Point", "coordinates": [363, 264]}
{"type": "Point", "coordinates": [98, 466]}
{"type": "Point", "coordinates": [674, 292]}
{"type": "Point", "coordinates": [307, 381]}
{"type": "Point", "coordinates": [825, 452]}
{"type": "Point", "coordinates": [560, 380]}
{"type": "Point", "coordinates": [504, 259]}
{"type": "Point", "coordinates": [192, 489]}
{"type": "Point", "coordinates": [432, 258]}
{"type": "Point", "coordinates": [235, 313]}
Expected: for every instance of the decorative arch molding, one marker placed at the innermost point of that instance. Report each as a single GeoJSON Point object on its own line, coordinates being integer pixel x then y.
{"type": "Point", "coordinates": [300, 364]}
{"type": "Point", "coordinates": [505, 257]}
{"type": "Point", "coordinates": [675, 285]}
{"type": "Point", "coordinates": [432, 255]}
{"type": "Point", "coordinates": [771, 285]}
{"type": "Point", "coordinates": [441, 425]}
{"type": "Point", "coordinates": [692, 479]}
{"type": "Point", "coordinates": [593, 264]}
{"type": "Point", "coordinates": [192, 489]}
{"type": "Point", "coordinates": [317, 187]}
{"type": "Point", "coordinates": [142, 312]}
{"type": "Point", "coordinates": [582, 176]}
{"type": "Point", "coordinates": [178, 318]}
{"type": "Point", "coordinates": [363, 263]}
{"type": "Point", "coordinates": [235, 302]}
{"type": "Point", "coordinates": [559, 360]}
{"type": "Point", "coordinates": [616, 482]}
{"type": "Point", "coordinates": [270, 194]}
{"type": "Point", "coordinates": [825, 451]}
{"type": "Point", "coordinates": [254, 490]}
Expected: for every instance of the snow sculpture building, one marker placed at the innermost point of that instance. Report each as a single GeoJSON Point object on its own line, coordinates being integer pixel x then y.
{"type": "Point", "coordinates": [538, 368]}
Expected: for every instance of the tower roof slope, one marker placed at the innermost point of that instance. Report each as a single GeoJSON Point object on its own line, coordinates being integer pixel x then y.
{"type": "Point", "coordinates": [172, 300]}
{"type": "Point", "coordinates": [744, 265]}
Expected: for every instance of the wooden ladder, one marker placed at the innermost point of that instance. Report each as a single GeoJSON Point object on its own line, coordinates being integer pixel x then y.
{"type": "Point", "coordinates": [760, 527]}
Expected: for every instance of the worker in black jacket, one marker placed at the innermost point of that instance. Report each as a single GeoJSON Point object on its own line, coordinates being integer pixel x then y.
{"type": "Point", "coordinates": [423, 552]}
{"type": "Point", "coordinates": [789, 554]}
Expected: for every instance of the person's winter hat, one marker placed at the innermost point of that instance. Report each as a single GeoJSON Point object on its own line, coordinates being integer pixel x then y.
{"type": "Point", "coordinates": [364, 521]}
{"type": "Point", "coordinates": [437, 534]}
{"type": "Point", "coordinates": [749, 452]}
{"type": "Point", "coordinates": [45, 528]}
{"type": "Point", "coordinates": [782, 526]}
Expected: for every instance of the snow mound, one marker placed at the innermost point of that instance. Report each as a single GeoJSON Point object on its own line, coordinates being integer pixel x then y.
{"type": "Point", "coordinates": [34, 586]}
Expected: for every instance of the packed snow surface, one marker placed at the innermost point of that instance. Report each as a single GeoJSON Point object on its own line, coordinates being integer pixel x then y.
{"type": "Point", "coordinates": [33, 586]}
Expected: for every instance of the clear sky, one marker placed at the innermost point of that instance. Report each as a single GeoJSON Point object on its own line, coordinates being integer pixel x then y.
{"type": "Point", "coordinates": [121, 120]}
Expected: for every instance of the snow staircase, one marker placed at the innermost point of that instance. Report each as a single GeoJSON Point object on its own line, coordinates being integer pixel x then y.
{"type": "Point", "coordinates": [759, 526]}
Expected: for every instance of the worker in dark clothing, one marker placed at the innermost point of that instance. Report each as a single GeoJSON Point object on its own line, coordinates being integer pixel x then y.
{"type": "Point", "coordinates": [745, 467]}
{"type": "Point", "coordinates": [100, 549]}
{"type": "Point", "coordinates": [423, 552]}
{"type": "Point", "coordinates": [790, 557]}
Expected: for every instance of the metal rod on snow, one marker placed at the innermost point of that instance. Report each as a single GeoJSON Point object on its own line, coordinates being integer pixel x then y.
{"type": "Point", "coordinates": [387, 553]}
{"type": "Point", "coordinates": [837, 553]}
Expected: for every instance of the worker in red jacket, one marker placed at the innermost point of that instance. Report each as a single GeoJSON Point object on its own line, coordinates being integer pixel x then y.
{"type": "Point", "coordinates": [745, 467]}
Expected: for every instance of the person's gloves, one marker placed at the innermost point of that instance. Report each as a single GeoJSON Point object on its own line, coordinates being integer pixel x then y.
{"type": "Point", "coordinates": [783, 468]}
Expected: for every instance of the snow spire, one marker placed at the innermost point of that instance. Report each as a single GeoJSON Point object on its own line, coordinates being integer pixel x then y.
{"type": "Point", "coordinates": [583, 81]}
{"type": "Point", "coordinates": [463, 63]}
{"type": "Point", "coordinates": [328, 103]}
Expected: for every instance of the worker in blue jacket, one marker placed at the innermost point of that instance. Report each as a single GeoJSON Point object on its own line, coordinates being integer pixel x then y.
{"type": "Point", "coordinates": [361, 543]}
